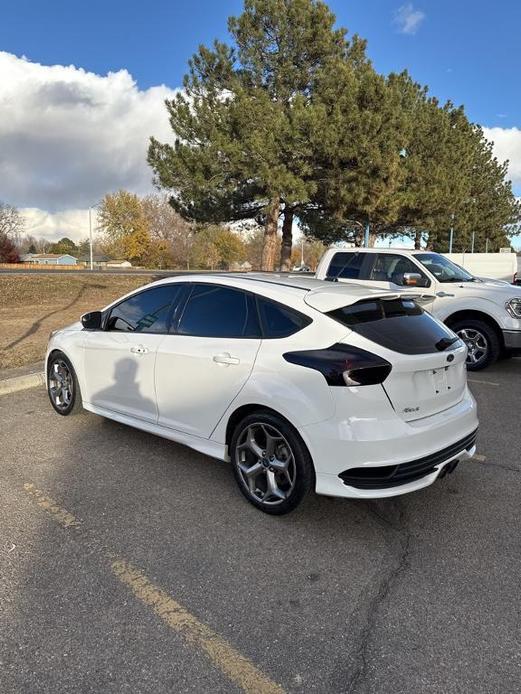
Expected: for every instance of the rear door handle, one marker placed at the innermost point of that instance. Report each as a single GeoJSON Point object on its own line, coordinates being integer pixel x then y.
{"type": "Point", "coordinates": [139, 349]}
{"type": "Point", "coordinates": [442, 294]}
{"type": "Point", "coordinates": [226, 358]}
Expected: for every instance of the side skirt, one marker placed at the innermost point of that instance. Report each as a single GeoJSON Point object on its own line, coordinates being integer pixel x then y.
{"type": "Point", "coordinates": [206, 446]}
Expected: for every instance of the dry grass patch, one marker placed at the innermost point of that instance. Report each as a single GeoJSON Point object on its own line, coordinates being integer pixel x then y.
{"type": "Point", "coordinates": [31, 306]}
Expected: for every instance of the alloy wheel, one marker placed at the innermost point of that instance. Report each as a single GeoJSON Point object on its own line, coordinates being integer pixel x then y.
{"type": "Point", "coordinates": [61, 384]}
{"type": "Point", "coordinates": [477, 345]}
{"type": "Point", "coordinates": [266, 463]}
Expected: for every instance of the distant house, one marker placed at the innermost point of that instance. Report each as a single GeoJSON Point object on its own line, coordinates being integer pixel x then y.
{"type": "Point", "coordinates": [119, 263]}
{"type": "Point", "coordinates": [98, 260]}
{"type": "Point", "coordinates": [241, 267]}
{"type": "Point", "coordinates": [49, 259]}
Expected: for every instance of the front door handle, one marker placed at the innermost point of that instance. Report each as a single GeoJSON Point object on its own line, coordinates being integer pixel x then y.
{"type": "Point", "coordinates": [226, 358]}
{"type": "Point", "coordinates": [139, 349]}
{"type": "Point", "coordinates": [442, 294]}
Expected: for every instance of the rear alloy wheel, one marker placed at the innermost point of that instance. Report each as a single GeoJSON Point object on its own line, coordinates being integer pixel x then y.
{"type": "Point", "coordinates": [62, 385]}
{"type": "Point", "coordinates": [483, 346]}
{"type": "Point", "coordinates": [271, 464]}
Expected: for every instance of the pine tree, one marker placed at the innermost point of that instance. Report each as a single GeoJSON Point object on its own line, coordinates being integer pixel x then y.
{"type": "Point", "coordinates": [245, 120]}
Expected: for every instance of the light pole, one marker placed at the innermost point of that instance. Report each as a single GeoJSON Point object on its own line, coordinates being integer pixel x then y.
{"type": "Point", "coordinates": [473, 239]}
{"type": "Point", "coordinates": [90, 238]}
{"type": "Point", "coordinates": [451, 233]}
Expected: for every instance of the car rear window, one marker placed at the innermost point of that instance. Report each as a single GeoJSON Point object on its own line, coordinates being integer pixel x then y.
{"type": "Point", "coordinates": [397, 324]}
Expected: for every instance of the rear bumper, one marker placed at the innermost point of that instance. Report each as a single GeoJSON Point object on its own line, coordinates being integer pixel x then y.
{"type": "Point", "coordinates": [512, 339]}
{"type": "Point", "coordinates": [379, 438]}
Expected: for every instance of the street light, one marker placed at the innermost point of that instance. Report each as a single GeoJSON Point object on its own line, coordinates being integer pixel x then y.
{"type": "Point", "coordinates": [90, 238]}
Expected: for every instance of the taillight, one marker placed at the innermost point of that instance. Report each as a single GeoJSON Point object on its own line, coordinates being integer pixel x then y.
{"type": "Point", "coordinates": [343, 365]}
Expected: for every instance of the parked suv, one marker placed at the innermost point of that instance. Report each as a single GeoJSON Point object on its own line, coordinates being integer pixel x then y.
{"type": "Point", "coordinates": [485, 313]}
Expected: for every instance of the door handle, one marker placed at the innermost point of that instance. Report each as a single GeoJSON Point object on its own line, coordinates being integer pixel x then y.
{"type": "Point", "coordinates": [139, 349]}
{"type": "Point", "coordinates": [226, 358]}
{"type": "Point", "coordinates": [442, 294]}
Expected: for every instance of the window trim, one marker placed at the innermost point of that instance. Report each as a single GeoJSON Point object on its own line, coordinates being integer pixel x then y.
{"type": "Point", "coordinates": [169, 318]}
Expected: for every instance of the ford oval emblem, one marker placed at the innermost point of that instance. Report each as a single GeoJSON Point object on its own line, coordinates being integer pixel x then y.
{"type": "Point", "coordinates": [450, 357]}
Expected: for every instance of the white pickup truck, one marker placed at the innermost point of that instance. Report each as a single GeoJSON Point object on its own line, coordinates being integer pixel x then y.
{"type": "Point", "coordinates": [485, 313]}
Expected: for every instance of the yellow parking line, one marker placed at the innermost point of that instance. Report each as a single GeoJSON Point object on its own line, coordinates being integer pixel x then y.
{"type": "Point", "coordinates": [231, 663]}
{"type": "Point", "coordinates": [485, 383]}
{"type": "Point", "coordinates": [61, 515]}
{"type": "Point", "coordinates": [479, 458]}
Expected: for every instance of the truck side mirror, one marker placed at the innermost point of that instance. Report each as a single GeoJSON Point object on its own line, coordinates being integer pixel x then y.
{"type": "Point", "coordinates": [414, 279]}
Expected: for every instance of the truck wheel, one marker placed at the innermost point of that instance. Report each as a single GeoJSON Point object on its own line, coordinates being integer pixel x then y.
{"type": "Point", "coordinates": [484, 347]}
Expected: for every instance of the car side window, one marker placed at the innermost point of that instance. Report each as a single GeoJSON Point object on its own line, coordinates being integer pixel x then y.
{"type": "Point", "coordinates": [390, 267]}
{"type": "Point", "coordinates": [146, 312]}
{"type": "Point", "coordinates": [216, 311]}
{"type": "Point", "coordinates": [280, 321]}
{"type": "Point", "coordinates": [347, 265]}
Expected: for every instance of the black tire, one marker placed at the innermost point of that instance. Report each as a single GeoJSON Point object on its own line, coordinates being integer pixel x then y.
{"type": "Point", "coordinates": [63, 406]}
{"type": "Point", "coordinates": [472, 327]}
{"type": "Point", "coordinates": [288, 449]}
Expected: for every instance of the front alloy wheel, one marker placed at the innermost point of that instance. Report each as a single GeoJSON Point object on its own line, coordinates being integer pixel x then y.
{"type": "Point", "coordinates": [483, 345]}
{"type": "Point", "coordinates": [62, 385]}
{"type": "Point", "coordinates": [477, 345]}
{"type": "Point", "coordinates": [271, 464]}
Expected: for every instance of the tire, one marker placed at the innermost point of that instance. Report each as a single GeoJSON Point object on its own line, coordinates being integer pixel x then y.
{"type": "Point", "coordinates": [482, 341]}
{"type": "Point", "coordinates": [62, 385]}
{"type": "Point", "coordinates": [283, 469]}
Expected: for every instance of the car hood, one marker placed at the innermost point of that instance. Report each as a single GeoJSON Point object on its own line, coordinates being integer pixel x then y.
{"type": "Point", "coordinates": [499, 288]}
{"type": "Point", "coordinates": [72, 328]}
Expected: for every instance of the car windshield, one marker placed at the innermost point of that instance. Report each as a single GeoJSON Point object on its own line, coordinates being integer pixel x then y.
{"type": "Point", "coordinates": [444, 269]}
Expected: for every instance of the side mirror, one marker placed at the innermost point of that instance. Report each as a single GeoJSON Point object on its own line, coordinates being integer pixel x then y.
{"type": "Point", "coordinates": [414, 279]}
{"type": "Point", "coordinates": [92, 320]}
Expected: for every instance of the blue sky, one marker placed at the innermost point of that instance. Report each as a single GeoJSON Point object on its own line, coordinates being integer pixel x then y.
{"type": "Point", "coordinates": [466, 51]}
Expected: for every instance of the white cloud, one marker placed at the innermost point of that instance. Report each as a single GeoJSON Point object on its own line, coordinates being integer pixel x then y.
{"type": "Point", "coordinates": [68, 136]}
{"type": "Point", "coordinates": [74, 224]}
{"type": "Point", "coordinates": [408, 19]}
{"type": "Point", "coordinates": [507, 145]}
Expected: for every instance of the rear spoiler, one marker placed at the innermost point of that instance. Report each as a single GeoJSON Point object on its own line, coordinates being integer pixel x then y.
{"type": "Point", "coordinates": [325, 300]}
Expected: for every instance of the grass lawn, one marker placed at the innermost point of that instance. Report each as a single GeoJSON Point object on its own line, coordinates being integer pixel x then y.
{"type": "Point", "coordinates": [31, 306]}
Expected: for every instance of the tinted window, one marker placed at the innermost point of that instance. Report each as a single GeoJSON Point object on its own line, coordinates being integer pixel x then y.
{"type": "Point", "coordinates": [146, 312]}
{"type": "Point", "coordinates": [389, 267]}
{"type": "Point", "coordinates": [215, 311]}
{"type": "Point", "coordinates": [346, 266]}
{"type": "Point", "coordinates": [280, 321]}
{"type": "Point", "coordinates": [398, 324]}
{"type": "Point", "coordinates": [444, 269]}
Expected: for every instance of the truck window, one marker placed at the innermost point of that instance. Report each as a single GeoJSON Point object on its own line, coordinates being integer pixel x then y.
{"type": "Point", "coordinates": [391, 267]}
{"type": "Point", "coordinates": [347, 266]}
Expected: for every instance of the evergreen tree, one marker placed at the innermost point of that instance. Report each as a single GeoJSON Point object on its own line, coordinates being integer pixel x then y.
{"type": "Point", "coordinates": [245, 120]}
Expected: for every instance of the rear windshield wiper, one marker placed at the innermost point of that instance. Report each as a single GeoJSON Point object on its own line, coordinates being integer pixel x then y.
{"type": "Point", "coordinates": [445, 342]}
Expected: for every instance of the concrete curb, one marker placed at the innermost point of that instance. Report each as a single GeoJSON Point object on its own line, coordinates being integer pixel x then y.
{"type": "Point", "coordinates": [13, 385]}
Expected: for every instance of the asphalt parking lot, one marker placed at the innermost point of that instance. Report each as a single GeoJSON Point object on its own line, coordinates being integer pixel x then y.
{"type": "Point", "coordinates": [130, 563]}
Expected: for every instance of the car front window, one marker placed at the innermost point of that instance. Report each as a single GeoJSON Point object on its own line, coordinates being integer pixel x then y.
{"type": "Point", "coordinates": [444, 269]}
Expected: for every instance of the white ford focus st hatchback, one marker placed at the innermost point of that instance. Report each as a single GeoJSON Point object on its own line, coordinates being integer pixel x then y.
{"type": "Point", "coordinates": [300, 383]}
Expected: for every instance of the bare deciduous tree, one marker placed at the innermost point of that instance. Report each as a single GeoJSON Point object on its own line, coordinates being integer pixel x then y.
{"type": "Point", "coordinates": [11, 222]}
